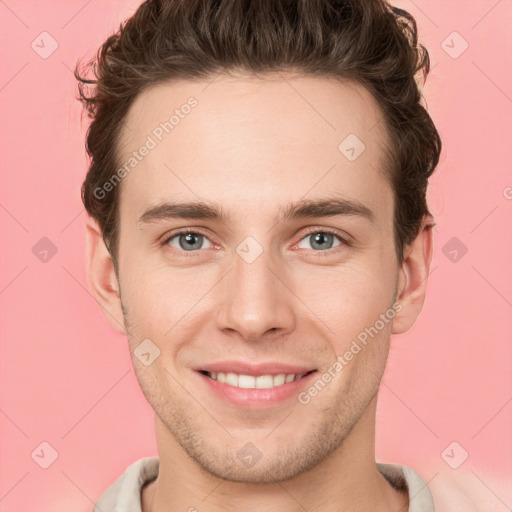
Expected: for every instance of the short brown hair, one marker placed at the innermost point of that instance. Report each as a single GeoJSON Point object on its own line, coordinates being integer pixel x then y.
{"type": "Point", "coordinates": [367, 41]}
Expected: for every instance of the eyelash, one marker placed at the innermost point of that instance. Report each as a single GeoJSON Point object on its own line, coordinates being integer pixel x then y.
{"type": "Point", "coordinates": [344, 241]}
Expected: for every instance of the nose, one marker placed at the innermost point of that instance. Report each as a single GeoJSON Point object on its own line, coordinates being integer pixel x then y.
{"type": "Point", "coordinates": [255, 301]}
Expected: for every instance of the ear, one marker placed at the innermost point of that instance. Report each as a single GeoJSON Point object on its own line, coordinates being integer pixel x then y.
{"type": "Point", "coordinates": [102, 277]}
{"type": "Point", "coordinates": [412, 278]}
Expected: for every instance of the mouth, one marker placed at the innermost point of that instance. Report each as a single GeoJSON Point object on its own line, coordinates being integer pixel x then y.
{"type": "Point", "coordinates": [254, 386]}
{"type": "Point", "coordinates": [243, 381]}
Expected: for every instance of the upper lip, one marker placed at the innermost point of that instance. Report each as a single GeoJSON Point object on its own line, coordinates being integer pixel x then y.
{"type": "Point", "coordinates": [254, 369]}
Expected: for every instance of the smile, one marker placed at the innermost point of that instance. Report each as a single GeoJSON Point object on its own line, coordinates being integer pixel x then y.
{"type": "Point", "coordinates": [255, 388]}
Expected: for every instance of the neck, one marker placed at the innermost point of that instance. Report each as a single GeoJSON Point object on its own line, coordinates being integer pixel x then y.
{"type": "Point", "coordinates": [346, 481]}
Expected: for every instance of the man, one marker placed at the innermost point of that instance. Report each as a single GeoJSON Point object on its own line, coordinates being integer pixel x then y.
{"type": "Point", "coordinates": [258, 229]}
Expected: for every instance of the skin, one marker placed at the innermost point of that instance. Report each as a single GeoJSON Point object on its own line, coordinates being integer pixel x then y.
{"type": "Point", "coordinates": [253, 145]}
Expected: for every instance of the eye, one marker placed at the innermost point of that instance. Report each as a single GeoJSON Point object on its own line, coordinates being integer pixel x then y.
{"type": "Point", "coordinates": [322, 240]}
{"type": "Point", "coordinates": [189, 241]}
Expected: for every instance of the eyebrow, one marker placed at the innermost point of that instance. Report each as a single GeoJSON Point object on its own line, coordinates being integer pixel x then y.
{"type": "Point", "coordinates": [303, 209]}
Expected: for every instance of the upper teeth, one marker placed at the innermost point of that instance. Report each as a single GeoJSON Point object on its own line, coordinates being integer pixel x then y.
{"type": "Point", "coordinates": [249, 381]}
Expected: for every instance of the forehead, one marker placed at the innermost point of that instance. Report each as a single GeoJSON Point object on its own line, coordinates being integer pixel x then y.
{"type": "Point", "coordinates": [252, 140]}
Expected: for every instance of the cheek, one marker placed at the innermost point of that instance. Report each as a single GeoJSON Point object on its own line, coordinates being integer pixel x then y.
{"type": "Point", "coordinates": [168, 306]}
{"type": "Point", "coordinates": [153, 293]}
{"type": "Point", "coordinates": [347, 298]}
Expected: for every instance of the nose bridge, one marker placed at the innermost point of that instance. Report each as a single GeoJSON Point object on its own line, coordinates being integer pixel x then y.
{"type": "Point", "coordinates": [254, 300]}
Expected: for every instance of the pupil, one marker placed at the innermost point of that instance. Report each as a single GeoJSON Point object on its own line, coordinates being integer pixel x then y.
{"type": "Point", "coordinates": [190, 243]}
{"type": "Point", "coordinates": [320, 238]}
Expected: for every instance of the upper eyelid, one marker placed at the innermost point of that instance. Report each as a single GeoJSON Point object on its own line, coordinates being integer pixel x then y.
{"type": "Point", "coordinates": [185, 231]}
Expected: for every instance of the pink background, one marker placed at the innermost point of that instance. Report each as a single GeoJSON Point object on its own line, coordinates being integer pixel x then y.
{"type": "Point", "coordinates": [67, 378]}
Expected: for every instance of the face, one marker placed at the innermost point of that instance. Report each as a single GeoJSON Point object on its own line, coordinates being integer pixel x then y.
{"type": "Point", "coordinates": [284, 261]}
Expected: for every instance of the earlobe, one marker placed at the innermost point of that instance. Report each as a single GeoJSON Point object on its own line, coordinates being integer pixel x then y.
{"type": "Point", "coordinates": [412, 279]}
{"type": "Point", "coordinates": [102, 277]}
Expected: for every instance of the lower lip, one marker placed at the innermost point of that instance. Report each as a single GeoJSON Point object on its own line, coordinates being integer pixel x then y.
{"type": "Point", "coordinates": [256, 398]}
